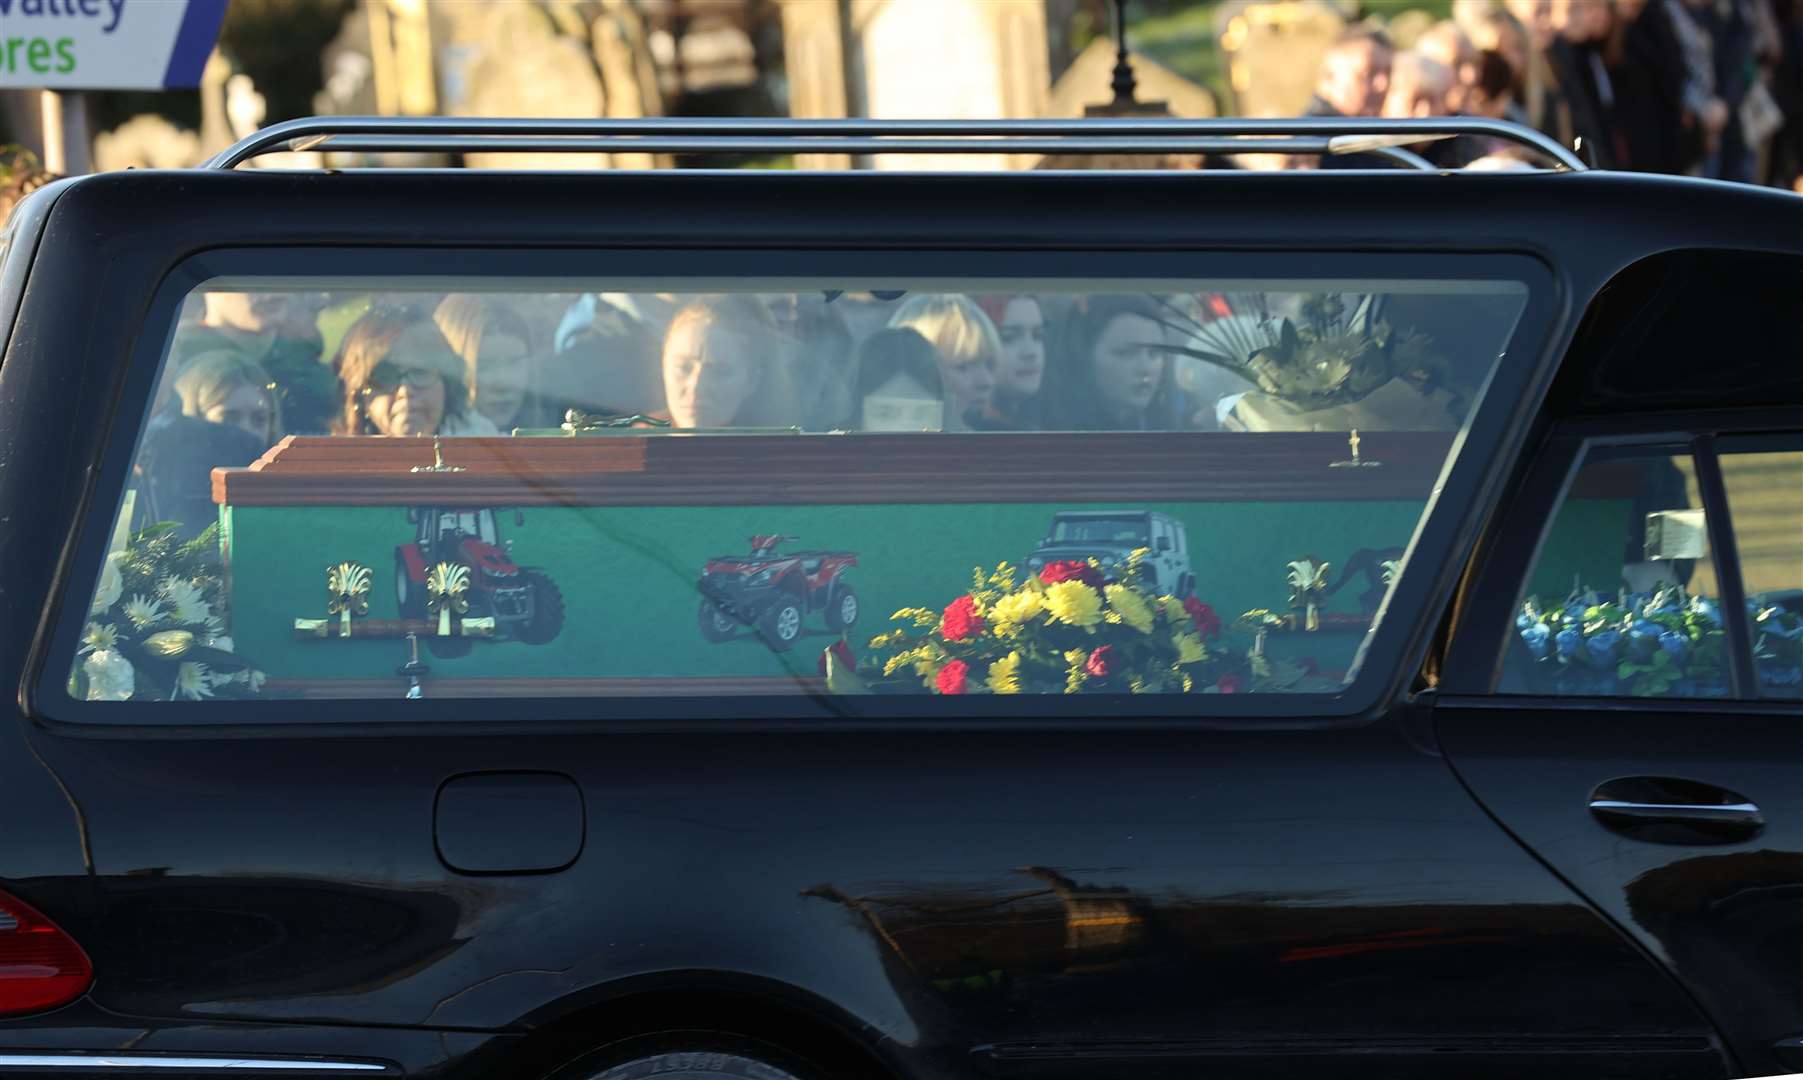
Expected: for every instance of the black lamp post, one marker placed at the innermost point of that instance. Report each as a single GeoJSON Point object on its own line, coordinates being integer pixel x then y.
{"type": "Point", "coordinates": [1124, 83]}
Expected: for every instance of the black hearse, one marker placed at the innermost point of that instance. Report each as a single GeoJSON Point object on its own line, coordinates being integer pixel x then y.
{"type": "Point", "coordinates": [1536, 811]}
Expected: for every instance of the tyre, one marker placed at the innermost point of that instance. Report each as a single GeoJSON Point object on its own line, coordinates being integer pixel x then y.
{"type": "Point", "coordinates": [689, 1055]}
{"type": "Point", "coordinates": [694, 1065]}
{"type": "Point", "coordinates": [448, 648]}
{"type": "Point", "coordinates": [716, 625]}
{"type": "Point", "coordinates": [409, 600]}
{"type": "Point", "coordinates": [781, 623]}
{"type": "Point", "coordinates": [547, 610]}
{"type": "Point", "coordinates": [841, 608]}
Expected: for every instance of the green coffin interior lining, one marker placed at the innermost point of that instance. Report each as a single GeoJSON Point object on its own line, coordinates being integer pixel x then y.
{"type": "Point", "coordinates": [628, 576]}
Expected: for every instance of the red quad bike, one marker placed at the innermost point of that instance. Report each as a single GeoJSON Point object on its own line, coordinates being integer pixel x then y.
{"type": "Point", "coordinates": [773, 592]}
{"type": "Point", "coordinates": [524, 603]}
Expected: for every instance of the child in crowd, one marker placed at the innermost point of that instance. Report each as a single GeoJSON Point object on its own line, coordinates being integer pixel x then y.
{"type": "Point", "coordinates": [1020, 323]}
{"type": "Point", "coordinates": [222, 387]}
{"type": "Point", "coordinates": [897, 386]}
{"type": "Point", "coordinates": [499, 366]}
{"type": "Point", "coordinates": [969, 351]}
{"type": "Point", "coordinates": [1112, 370]}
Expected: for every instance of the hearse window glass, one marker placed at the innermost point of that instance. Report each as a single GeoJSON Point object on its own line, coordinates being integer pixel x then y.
{"type": "Point", "coordinates": [1623, 599]}
{"type": "Point", "coordinates": [1765, 505]}
{"type": "Point", "coordinates": [383, 489]}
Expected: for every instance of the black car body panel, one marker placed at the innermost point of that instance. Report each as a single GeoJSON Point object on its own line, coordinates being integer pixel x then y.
{"type": "Point", "coordinates": [915, 901]}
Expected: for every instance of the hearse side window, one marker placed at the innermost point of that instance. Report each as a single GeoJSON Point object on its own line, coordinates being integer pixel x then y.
{"type": "Point", "coordinates": [1624, 597]}
{"type": "Point", "coordinates": [462, 487]}
{"type": "Point", "coordinates": [1765, 505]}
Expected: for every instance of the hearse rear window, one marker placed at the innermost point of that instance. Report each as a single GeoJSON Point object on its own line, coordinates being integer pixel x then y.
{"type": "Point", "coordinates": [983, 489]}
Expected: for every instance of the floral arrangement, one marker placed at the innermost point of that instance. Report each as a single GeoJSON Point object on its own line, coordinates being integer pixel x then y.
{"type": "Point", "coordinates": [1067, 629]}
{"type": "Point", "coordinates": [1663, 643]}
{"type": "Point", "coordinates": [154, 631]}
{"type": "Point", "coordinates": [1777, 647]}
{"type": "Point", "coordinates": [1329, 355]}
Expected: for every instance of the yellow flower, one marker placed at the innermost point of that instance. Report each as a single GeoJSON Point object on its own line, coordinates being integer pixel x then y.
{"type": "Point", "coordinates": [1172, 609]}
{"type": "Point", "coordinates": [1074, 602]}
{"type": "Point", "coordinates": [1189, 648]}
{"type": "Point", "coordinates": [1074, 677]}
{"type": "Point", "coordinates": [1132, 609]}
{"type": "Point", "coordinates": [919, 616]}
{"type": "Point", "coordinates": [919, 659]}
{"type": "Point", "coordinates": [1016, 608]}
{"type": "Point", "coordinates": [1004, 674]}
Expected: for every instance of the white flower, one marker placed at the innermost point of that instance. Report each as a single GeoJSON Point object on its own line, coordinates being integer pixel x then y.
{"type": "Point", "coordinates": [106, 594]}
{"type": "Point", "coordinates": [220, 642]}
{"type": "Point", "coordinates": [185, 601]}
{"type": "Point", "coordinates": [192, 681]}
{"type": "Point", "coordinates": [214, 626]}
{"type": "Point", "coordinates": [251, 678]}
{"type": "Point", "coordinates": [110, 676]}
{"type": "Point", "coordinates": [192, 612]}
{"type": "Point", "coordinates": [143, 611]}
{"type": "Point", "coordinates": [97, 636]}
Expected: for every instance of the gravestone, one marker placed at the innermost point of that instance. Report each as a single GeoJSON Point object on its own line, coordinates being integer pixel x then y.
{"type": "Point", "coordinates": [350, 86]}
{"type": "Point", "coordinates": [514, 60]}
{"type": "Point", "coordinates": [987, 60]}
{"type": "Point", "coordinates": [620, 42]}
{"type": "Point", "coordinates": [146, 142]}
{"type": "Point", "coordinates": [1272, 51]}
{"type": "Point", "coordinates": [814, 60]}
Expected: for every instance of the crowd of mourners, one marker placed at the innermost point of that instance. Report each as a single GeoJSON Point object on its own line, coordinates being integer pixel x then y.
{"type": "Point", "coordinates": [1709, 88]}
{"type": "Point", "coordinates": [476, 364]}
{"type": "Point", "coordinates": [246, 369]}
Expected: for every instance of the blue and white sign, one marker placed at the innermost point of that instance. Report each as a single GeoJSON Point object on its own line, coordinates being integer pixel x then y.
{"type": "Point", "coordinates": [106, 44]}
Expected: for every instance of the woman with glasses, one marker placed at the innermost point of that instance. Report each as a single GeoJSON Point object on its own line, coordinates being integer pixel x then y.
{"type": "Point", "coordinates": [401, 377]}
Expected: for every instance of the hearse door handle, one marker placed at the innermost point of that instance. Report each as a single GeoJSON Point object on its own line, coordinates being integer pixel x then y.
{"type": "Point", "coordinates": [1640, 813]}
{"type": "Point", "coordinates": [1675, 810]}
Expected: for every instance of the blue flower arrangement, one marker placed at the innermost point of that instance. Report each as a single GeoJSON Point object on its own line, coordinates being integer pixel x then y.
{"type": "Point", "coordinates": [1778, 649]}
{"type": "Point", "coordinates": [1664, 643]}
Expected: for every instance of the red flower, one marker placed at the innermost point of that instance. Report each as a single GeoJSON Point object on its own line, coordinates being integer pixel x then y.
{"type": "Point", "coordinates": [952, 677]}
{"type": "Point", "coordinates": [842, 650]}
{"type": "Point", "coordinates": [1100, 664]}
{"type": "Point", "coordinates": [1208, 624]}
{"type": "Point", "coordinates": [1228, 684]}
{"type": "Point", "coordinates": [1071, 570]}
{"type": "Point", "coordinates": [961, 619]}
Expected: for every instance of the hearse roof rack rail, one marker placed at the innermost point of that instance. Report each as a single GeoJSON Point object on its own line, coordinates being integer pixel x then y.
{"type": "Point", "coordinates": [1323, 136]}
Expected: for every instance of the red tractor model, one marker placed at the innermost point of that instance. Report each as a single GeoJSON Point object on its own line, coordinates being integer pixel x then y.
{"type": "Point", "coordinates": [524, 603]}
{"type": "Point", "coordinates": [773, 592]}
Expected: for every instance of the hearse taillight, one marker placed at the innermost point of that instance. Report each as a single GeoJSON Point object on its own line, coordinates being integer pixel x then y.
{"type": "Point", "coordinates": [41, 967]}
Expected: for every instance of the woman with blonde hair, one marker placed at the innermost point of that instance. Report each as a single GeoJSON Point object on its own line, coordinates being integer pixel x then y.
{"type": "Point", "coordinates": [498, 365]}
{"type": "Point", "coordinates": [222, 387]}
{"type": "Point", "coordinates": [969, 351]}
{"type": "Point", "coordinates": [725, 364]}
{"type": "Point", "coordinates": [400, 377]}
